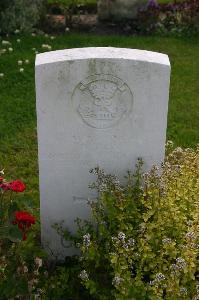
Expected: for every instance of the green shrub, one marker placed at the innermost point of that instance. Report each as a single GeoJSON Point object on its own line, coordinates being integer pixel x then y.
{"type": "Point", "coordinates": [20, 15]}
{"type": "Point", "coordinates": [143, 243]}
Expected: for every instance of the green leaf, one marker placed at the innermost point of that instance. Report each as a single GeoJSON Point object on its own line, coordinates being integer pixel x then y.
{"type": "Point", "coordinates": [13, 207]}
{"type": "Point", "coordinates": [27, 201]}
{"type": "Point", "coordinates": [1, 213]}
{"type": "Point", "coordinates": [4, 232]}
{"type": "Point", "coordinates": [14, 234]}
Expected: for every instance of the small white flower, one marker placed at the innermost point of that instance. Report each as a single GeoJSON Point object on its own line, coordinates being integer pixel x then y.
{"type": "Point", "coordinates": [18, 40]}
{"type": "Point", "coordinates": [46, 46]}
{"type": "Point", "coordinates": [131, 242]}
{"type": "Point", "coordinates": [156, 168]}
{"type": "Point", "coordinates": [183, 291]}
{"type": "Point", "coordinates": [181, 262]}
{"type": "Point", "coordinates": [159, 277]}
{"type": "Point", "coordinates": [1, 76]}
{"type": "Point", "coordinates": [117, 280]}
{"type": "Point", "coordinates": [33, 49]}
{"type": "Point", "coordinates": [121, 236]}
{"type": "Point", "coordinates": [194, 246]}
{"type": "Point", "coordinates": [167, 241]}
{"type": "Point", "coordinates": [178, 150]}
{"type": "Point", "coordinates": [103, 187]}
{"type": "Point", "coordinates": [169, 143]}
{"type": "Point", "coordinates": [36, 52]}
{"type": "Point", "coordinates": [67, 29]}
{"type": "Point", "coordinates": [52, 37]}
{"type": "Point", "coordinates": [17, 31]}
{"type": "Point", "coordinates": [3, 50]}
{"type": "Point", "coordinates": [33, 34]}
{"type": "Point", "coordinates": [27, 61]}
{"type": "Point", "coordinates": [125, 246]}
{"type": "Point", "coordinates": [191, 235]}
{"type": "Point", "coordinates": [5, 42]}
{"type": "Point", "coordinates": [46, 35]}
{"type": "Point", "coordinates": [10, 49]}
{"type": "Point", "coordinates": [83, 275]}
{"type": "Point", "coordinates": [21, 70]}
{"type": "Point", "coordinates": [2, 171]}
{"type": "Point", "coordinates": [20, 62]}
{"type": "Point", "coordinates": [86, 240]}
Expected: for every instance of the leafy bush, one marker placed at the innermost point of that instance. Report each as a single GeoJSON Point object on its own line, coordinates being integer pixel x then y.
{"type": "Point", "coordinates": [143, 243]}
{"type": "Point", "coordinates": [178, 17]}
{"type": "Point", "coordinates": [20, 15]}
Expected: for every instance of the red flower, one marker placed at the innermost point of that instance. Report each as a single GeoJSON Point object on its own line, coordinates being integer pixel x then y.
{"type": "Point", "coordinates": [5, 186]}
{"type": "Point", "coordinates": [24, 220]}
{"type": "Point", "coordinates": [17, 186]}
{"type": "Point", "coordinates": [1, 179]}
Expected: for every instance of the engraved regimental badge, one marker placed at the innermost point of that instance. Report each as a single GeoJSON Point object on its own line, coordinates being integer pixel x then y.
{"type": "Point", "coordinates": [102, 100]}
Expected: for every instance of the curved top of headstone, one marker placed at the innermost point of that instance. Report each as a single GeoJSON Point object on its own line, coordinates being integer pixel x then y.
{"type": "Point", "coordinates": [103, 53]}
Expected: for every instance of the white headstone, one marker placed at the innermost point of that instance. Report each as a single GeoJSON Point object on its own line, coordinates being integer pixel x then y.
{"type": "Point", "coordinates": [119, 9]}
{"type": "Point", "coordinates": [95, 107]}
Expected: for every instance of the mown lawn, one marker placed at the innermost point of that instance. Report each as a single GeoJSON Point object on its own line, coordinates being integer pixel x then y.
{"type": "Point", "coordinates": [18, 146]}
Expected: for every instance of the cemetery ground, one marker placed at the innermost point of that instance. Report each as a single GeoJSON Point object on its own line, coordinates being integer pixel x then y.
{"type": "Point", "coordinates": [18, 148]}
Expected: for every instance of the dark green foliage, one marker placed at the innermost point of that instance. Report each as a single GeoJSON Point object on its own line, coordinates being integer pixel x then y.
{"type": "Point", "coordinates": [20, 15]}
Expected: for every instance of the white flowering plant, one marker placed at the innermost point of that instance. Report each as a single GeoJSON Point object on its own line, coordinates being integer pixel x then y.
{"type": "Point", "coordinates": [143, 240]}
{"type": "Point", "coordinates": [141, 243]}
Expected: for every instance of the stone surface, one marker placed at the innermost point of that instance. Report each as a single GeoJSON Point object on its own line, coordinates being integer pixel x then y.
{"type": "Point", "coordinates": [95, 106]}
{"type": "Point", "coordinates": [119, 9]}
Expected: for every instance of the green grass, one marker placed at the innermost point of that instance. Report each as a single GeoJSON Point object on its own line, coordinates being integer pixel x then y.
{"type": "Point", "coordinates": [18, 147]}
